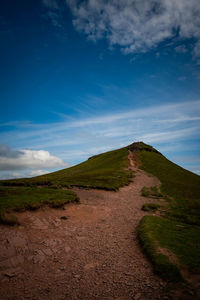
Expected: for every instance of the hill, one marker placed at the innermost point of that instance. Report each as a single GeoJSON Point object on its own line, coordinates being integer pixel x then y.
{"type": "Point", "coordinates": [170, 237]}
{"type": "Point", "coordinates": [106, 171]}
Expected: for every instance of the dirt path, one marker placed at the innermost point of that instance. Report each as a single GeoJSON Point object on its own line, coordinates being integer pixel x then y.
{"type": "Point", "coordinates": [92, 254]}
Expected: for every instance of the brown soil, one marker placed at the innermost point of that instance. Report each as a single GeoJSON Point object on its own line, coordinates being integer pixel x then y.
{"type": "Point", "coordinates": [90, 253]}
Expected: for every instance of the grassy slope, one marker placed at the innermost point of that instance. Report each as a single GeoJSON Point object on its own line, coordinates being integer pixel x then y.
{"type": "Point", "coordinates": [106, 171]}
{"type": "Point", "coordinates": [22, 198]}
{"type": "Point", "coordinates": [177, 182]}
{"type": "Point", "coordinates": [178, 230]}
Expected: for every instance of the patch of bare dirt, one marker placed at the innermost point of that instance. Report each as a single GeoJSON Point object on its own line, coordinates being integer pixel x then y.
{"type": "Point", "coordinates": [87, 251]}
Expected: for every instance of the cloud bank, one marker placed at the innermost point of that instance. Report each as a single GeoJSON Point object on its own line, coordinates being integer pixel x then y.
{"type": "Point", "coordinates": [135, 25]}
{"type": "Point", "coordinates": [27, 159]}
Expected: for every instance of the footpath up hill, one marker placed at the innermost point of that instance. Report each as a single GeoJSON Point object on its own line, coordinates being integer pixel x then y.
{"type": "Point", "coordinates": [169, 232]}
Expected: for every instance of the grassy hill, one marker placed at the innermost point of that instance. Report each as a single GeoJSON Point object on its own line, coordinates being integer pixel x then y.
{"type": "Point", "coordinates": [173, 233]}
{"type": "Point", "coordinates": [105, 171]}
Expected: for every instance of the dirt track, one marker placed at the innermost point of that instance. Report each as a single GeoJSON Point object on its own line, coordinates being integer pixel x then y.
{"type": "Point", "coordinates": [92, 254]}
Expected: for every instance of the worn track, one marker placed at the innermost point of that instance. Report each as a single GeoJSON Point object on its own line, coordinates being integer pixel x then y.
{"type": "Point", "coordinates": [92, 254]}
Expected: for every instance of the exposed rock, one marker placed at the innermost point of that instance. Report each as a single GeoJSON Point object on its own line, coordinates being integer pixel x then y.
{"type": "Point", "coordinates": [64, 218]}
{"type": "Point", "coordinates": [13, 272]}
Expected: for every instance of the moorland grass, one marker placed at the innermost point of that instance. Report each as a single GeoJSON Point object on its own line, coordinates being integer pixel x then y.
{"type": "Point", "coordinates": [105, 171]}
{"type": "Point", "coordinates": [181, 185]}
{"type": "Point", "coordinates": [31, 198]}
{"type": "Point", "coordinates": [151, 192]}
{"type": "Point", "coordinates": [178, 230]}
{"type": "Point", "coordinates": [150, 206]}
{"type": "Point", "coordinates": [162, 265]}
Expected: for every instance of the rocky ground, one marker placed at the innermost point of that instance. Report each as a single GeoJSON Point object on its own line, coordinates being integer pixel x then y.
{"type": "Point", "coordinates": [87, 251]}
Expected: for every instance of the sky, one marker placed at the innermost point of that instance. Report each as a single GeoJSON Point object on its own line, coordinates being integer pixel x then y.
{"type": "Point", "coordinates": [78, 78]}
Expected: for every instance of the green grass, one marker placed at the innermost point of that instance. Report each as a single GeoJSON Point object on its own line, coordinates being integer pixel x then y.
{"type": "Point", "coordinates": [179, 238]}
{"type": "Point", "coordinates": [162, 265]}
{"type": "Point", "coordinates": [178, 230]}
{"type": "Point", "coordinates": [8, 219]}
{"type": "Point", "coordinates": [150, 207]}
{"type": "Point", "coordinates": [22, 198]}
{"type": "Point", "coordinates": [151, 192]}
{"type": "Point", "coordinates": [176, 182]}
{"type": "Point", "coordinates": [104, 171]}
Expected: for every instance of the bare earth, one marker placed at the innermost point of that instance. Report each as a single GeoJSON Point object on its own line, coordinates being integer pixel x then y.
{"type": "Point", "coordinates": [92, 254]}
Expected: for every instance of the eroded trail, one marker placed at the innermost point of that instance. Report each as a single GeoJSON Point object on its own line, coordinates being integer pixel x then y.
{"type": "Point", "coordinates": [91, 253]}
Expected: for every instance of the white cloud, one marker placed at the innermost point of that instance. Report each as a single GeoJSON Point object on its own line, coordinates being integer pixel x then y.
{"type": "Point", "coordinates": [36, 173]}
{"type": "Point", "coordinates": [29, 159]}
{"type": "Point", "coordinates": [9, 175]}
{"type": "Point", "coordinates": [135, 25]}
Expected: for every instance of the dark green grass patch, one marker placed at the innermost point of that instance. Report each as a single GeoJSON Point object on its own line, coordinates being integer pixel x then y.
{"type": "Point", "coordinates": [181, 239]}
{"type": "Point", "coordinates": [145, 192]}
{"type": "Point", "coordinates": [150, 207]}
{"type": "Point", "coordinates": [151, 192]}
{"type": "Point", "coordinates": [8, 219]}
{"type": "Point", "coordinates": [176, 182]}
{"type": "Point", "coordinates": [105, 171]}
{"type": "Point", "coordinates": [162, 265]}
{"type": "Point", "coordinates": [22, 198]}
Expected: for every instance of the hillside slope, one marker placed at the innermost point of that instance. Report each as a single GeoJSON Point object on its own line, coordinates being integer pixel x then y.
{"type": "Point", "coordinates": [176, 226]}
{"type": "Point", "coordinates": [107, 171]}
{"type": "Point", "coordinates": [107, 223]}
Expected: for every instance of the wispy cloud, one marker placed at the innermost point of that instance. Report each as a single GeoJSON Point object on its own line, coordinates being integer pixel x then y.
{"type": "Point", "coordinates": [181, 49]}
{"type": "Point", "coordinates": [137, 26]}
{"type": "Point", "coordinates": [171, 135]}
{"type": "Point", "coordinates": [135, 123]}
{"type": "Point", "coordinates": [75, 140]}
{"type": "Point", "coordinates": [53, 13]}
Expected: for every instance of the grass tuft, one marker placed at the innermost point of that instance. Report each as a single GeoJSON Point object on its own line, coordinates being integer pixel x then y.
{"type": "Point", "coordinates": [150, 207]}
{"type": "Point", "coordinates": [8, 219]}
{"type": "Point", "coordinates": [151, 192]}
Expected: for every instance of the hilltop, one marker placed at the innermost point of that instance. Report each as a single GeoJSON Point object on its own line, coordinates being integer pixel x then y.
{"type": "Point", "coordinates": [107, 171]}
{"type": "Point", "coordinates": [159, 200]}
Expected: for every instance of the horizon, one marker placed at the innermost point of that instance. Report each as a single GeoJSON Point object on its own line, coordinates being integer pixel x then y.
{"type": "Point", "coordinates": [79, 78]}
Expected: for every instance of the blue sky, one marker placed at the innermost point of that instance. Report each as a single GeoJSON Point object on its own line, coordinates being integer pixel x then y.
{"type": "Point", "coordinates": [79, 78]}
